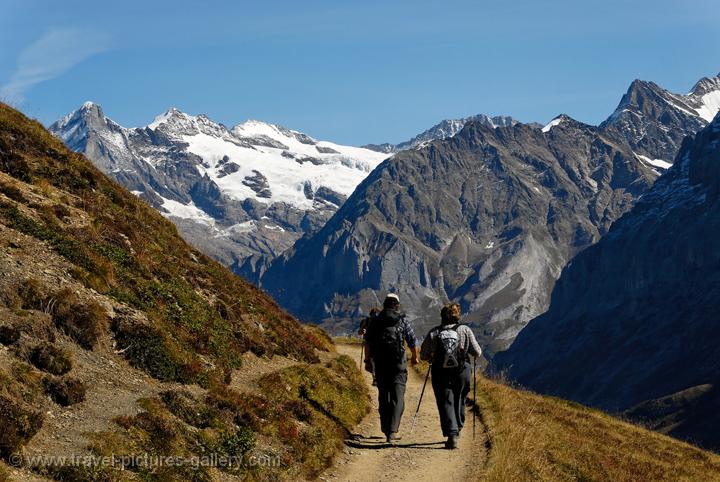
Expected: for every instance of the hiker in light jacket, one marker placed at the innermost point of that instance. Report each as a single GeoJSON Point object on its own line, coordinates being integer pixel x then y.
{"type": "Point", "coordinates": [448, 348]}
{"type": "Point", "coordinates": [385, 339]}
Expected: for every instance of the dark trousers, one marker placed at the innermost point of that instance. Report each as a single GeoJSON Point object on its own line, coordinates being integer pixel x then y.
{"type": "Point", "coordinates": [451, 387]}
{"type": "Point", "coordinates": [391, 397]}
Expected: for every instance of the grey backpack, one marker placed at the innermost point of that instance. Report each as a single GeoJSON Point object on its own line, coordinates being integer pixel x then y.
{"type": "Point", "coordinates": [447, 347]}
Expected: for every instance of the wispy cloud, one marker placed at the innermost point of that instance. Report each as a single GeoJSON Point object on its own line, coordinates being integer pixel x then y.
{"type": "Point", "coordinates": [56, 52]}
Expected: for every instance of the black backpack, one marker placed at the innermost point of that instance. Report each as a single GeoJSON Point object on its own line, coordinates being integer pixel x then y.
{"type": "Point", "coordinates": [446, 350]}
{"type": "Point", "coordinates": [385, 338]}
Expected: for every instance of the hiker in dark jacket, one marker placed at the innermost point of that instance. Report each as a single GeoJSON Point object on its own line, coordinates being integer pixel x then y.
{"type": "Point", "coordinates": [361, 331]}
{"type": "Point", "coordinates": [448, 348]}
{"type": "Point", "coordinates": [385, 339]}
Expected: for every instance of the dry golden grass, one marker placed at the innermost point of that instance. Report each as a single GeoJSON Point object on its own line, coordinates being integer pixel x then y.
{"type": "Point", "coordinates": [540, 438]}
{"type": "Point", "coordinates": [347, 340]}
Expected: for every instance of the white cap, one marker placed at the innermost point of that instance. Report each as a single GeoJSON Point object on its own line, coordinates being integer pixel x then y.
{"type": "Point", "coordinates": [393, 296]}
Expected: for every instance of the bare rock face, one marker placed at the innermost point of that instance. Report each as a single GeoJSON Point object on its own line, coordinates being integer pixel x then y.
{"type": "Point", "coordinates": [488, 217]}
{"type": "Point", "coordinates": [633, 323]}
{"type": "Point", "coordinates": [655, 121]}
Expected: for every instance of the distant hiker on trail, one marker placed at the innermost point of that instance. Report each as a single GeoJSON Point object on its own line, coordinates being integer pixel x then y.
{"type": "Point", "coordinates": [366, 321]}
{"type": "Point", "coordinates": [448, 348]}
{"type": "Point", "coordinates": [385, 338]}
{"type": "Point", "coordinates": [362, 331]}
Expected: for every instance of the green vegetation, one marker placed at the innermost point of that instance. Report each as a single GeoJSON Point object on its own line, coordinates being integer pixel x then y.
{"type": "Point", "coordinates": [305, 421]}
{"type": "Point", "coordinates": [326, 403]}
{"type": "Point", "coordinates": [319, 338]}
{"type": "Point", "coordinates": [151, 349]}
{"type": "Point", "coordinates": [85, 322]}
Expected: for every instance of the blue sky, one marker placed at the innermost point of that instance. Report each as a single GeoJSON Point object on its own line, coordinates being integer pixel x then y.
{"type": "Point", "coordinates": [351, 72]}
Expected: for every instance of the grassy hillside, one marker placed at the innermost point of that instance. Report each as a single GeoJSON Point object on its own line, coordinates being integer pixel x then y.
{"type": "Point", "coordinates": [535, 437]}
{"type": "Point", "coordinates": [119, 339]}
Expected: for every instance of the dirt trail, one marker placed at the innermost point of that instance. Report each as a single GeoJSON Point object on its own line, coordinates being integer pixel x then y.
{"type": "Point", "coordinates": [420, 455]}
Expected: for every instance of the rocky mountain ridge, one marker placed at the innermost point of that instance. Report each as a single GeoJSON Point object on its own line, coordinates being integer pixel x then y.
{"type": "Point", "coordinates": [632, 325]}
{"type": "Point", "coordinates": [487, 218]}
{"type": "Point", "coordinates": [239, 193]}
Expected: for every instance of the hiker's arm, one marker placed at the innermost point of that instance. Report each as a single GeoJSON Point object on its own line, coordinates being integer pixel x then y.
{"type": "Point", "coordinates": [363, 327]}
{"type": "Point", "coordinates": [414, 355]}
{"type": "Point", "coordinates": [412, 343]}
{"type": "Point", "coordinates": [368, 360]}
{"type": "Point", "coordinates": [474, 348]}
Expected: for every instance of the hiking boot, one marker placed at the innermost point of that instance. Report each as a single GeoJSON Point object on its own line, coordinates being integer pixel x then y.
{"type": "Point", "coordinates": [393, 437]}
{"type": "Point", "coordinates": [452, 442]}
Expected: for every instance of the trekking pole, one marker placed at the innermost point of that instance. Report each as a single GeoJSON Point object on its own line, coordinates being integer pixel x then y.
{"type": "Point", "coordinates": [420, 401]}
{"type": "Point", "coordinates": [475, 405]}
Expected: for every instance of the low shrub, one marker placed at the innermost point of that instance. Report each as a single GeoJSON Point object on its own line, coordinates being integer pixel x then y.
{"type": "Point", "coordinates": [9, 335]}
{"type": "Point", "coordinates": [187, 408]}
{"type": "Point", "coordinates": [237, 443]}
{"type": "Point", "coordinates": [10, 298]}
{"type": "Point", "coordinates": [65, 391]}
{"type": "Point", "coordinates": [12, 192]}
{"type": "Point", "coordinates": [22, 383]}
{"type": "Point", "coordinates": [164, 434]}
{"type": "Point", "coordinates": [34, 295]}
{"type": "Point", "coordinates": [51, 359]}
{"type": "Point", "coordinates": [19, 425]}
{"type": "Point", "coordinates": [84, 322]}
{"type": "Point", "coordinates": [158, 431]}
{"type": "Point", "coordinates": [79, 473]}
{"type": "Point", "coordinates": [319, 338]}
{"type": "Point", "coordinates": [61, 211]}
{"type": "Point", "coordinates": [328, 400]}
{"type": "Point", "coordinates": [148, 348]}
{"type": "Point", "coordinates": [241, 408]}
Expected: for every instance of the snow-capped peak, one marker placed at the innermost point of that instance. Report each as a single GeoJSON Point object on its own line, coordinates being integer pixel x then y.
{"type": "Point", "coordinates": [556, 121]}
{"type": "Point", "coordinates": [707, 95]}
{"type": "Point", "coordinates": [87, 105]}
{"type": "Point", "coordinates": [165, 117]}
{"type": "Point", "coordinates": [252, 128]}
{"type": "Point", "coordinates": [705, 85]}
{"type": "Point", "coordinates": [255, 160]}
